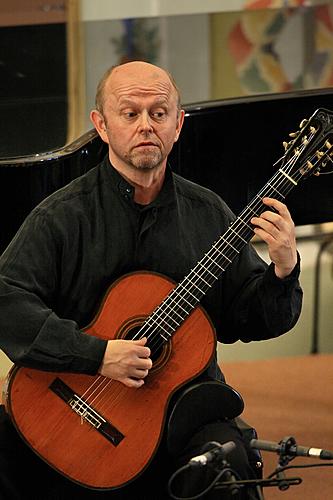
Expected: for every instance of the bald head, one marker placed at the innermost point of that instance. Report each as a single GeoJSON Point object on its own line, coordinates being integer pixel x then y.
{"type": "Point", "coordinates": [134, 72]}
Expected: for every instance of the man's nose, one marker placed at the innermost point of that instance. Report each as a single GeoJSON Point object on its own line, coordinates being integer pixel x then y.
{"type": "Point", "coordinates": [145, 122]}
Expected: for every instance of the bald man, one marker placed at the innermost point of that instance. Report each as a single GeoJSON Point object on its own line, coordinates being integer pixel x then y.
{"type": "Point", "coordinates": [133, 213]}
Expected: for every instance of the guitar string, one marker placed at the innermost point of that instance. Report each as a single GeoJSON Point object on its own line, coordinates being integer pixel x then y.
{"type": "Point", "coordinates": [156, 323]}
{"type": "Point", "coordinates": [314, 156]}
{"type": "Point", "coordinates": [102, 381]}
{"type": "Point", "coordinates": [99, 381]}
{"type": "Point", "coordinates": [223, 238]}
{"type": "Point", "coordinates": [274, 189]}
{"type": "Point", "coordinates": [194, 284]}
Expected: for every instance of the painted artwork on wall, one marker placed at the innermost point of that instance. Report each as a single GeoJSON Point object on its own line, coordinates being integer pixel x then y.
{"type": "Point", "coordinates": [273, 50]}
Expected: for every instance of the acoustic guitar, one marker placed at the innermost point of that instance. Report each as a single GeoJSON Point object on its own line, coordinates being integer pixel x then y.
{"type": "Point", "coordinates": [98, 432]}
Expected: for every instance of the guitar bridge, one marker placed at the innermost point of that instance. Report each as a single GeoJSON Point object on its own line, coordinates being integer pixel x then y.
{"type": "Point", "coordinates": [86, 412]}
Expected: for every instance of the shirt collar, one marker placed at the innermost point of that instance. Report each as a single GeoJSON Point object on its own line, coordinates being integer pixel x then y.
{"type": "Point", "coordinates": [167, 195]}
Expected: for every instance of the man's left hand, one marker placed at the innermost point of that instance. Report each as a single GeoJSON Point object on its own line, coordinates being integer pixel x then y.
{"type": "Point", "coordinates": [277, 229]}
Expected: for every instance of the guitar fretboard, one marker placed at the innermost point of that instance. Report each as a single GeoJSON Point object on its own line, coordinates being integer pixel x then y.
{"type": "Point", "coordinates": [177, 306]}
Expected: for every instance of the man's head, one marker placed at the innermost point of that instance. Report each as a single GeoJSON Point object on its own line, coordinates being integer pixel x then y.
{"type": "Point", "coordinates": [100, 95]}
{"type": "Point", "coordinates": [138, 114]}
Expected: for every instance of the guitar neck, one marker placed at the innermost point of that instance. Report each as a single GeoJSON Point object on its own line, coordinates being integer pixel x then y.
{"type": "Point", "coordinates": [303, 157]}
{"type": "Point", "coordinates": [189, 292]}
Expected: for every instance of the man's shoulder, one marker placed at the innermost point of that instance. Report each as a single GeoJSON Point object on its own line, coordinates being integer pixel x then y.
{"type": "Point", "coordinates": [197, 192]}
{"type": "Point", "coordinates": [76, 191]}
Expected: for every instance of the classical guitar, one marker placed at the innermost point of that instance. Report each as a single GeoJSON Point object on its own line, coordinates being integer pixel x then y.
{"type": "Point", "coordinates": [101, 434]}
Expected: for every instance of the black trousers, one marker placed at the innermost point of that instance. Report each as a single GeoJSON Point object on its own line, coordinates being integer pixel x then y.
{"type": "Point", "coordinates": [24, 476]}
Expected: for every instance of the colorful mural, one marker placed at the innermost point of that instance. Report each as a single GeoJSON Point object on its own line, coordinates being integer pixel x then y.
{"type": "Point", "coordinates": [255, 43]}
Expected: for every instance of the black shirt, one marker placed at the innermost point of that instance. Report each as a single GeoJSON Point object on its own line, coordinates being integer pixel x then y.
{"type": "Point", "coordinates": [79, 240]}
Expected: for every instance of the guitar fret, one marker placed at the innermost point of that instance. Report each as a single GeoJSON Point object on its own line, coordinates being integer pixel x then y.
{"type": "Point", "coordinates": [167, 324]}
{"type": "Point", "coordinates": [228, 243]}
{"type": "Point", "coordinates": [207, 270]}
{"type": "Point", "coordinates": [196, 286]}
{"type": "Point", "coordinates": [180, 307]}
{"type": "Point", "coordinates": [219, 251]}
{"type": "Point", "coordinates": [278, 192]}
{"type": "Point", "coordinates": [201, 278]}
{"type": "Point", "coordinates": [177, 304]}
{"type": "Point", "coordinates": [157, 320]}
{"type": "Point", "coordinates": [180, 296]}
{"type": "Point", "coordinates": [239, 236]}
{"type": "Point", "coordinates": [165, 338]}
{"type": "Point", "coordinates": [179, 316]}
{"type": "Point", "coordinates": [214, 262]}
{"type": "Point", "coordinates": [252, 210]}
{"type": "Point", "coordinates": [245, 224]}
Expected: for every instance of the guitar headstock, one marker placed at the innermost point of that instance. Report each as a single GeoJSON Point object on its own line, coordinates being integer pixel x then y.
{"type": "Point", "coordinates": [310, 149]}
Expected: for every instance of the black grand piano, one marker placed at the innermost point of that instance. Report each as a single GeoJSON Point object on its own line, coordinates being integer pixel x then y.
{"type": "Point", "coordinates": [229, 146]}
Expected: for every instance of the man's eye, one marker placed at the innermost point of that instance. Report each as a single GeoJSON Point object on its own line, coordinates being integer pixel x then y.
{"type": "Point", "coordinates": [158, 114]}
{"type": "Point", "coordinates": [130, 114]}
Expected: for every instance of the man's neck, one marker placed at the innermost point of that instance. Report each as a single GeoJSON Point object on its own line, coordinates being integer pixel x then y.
{"type": "Point", "coordinates": [147, 183]}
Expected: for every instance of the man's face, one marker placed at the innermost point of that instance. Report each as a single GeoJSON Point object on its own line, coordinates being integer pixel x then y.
{"type": "Point", "coordinates": [141, 116]}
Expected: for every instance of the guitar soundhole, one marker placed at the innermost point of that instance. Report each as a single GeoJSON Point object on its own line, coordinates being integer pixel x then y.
{"type": "Point", "coordinates": [160, 349]}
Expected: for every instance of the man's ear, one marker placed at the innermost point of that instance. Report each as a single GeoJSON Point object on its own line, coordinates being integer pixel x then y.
{"type": "Point", "coordinates": [181, 116]}
{"type": "Point", "coordinates": [99, 123]}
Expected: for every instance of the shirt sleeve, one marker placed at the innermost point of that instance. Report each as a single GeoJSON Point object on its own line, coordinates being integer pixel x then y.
{"type": "Point", "coordinates": [257, 305]}
{"type": "Point", "coordinates": [31, 333]}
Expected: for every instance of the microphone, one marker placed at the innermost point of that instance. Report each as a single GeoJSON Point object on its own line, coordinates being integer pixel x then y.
{"type": "Point", "coordinates": [216, 451]}
{"type": "Point", "coordinates": [293, 450]}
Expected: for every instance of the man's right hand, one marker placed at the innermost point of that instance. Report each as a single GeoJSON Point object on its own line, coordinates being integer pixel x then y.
{"type": "Point", "coordinates": [127, 361]}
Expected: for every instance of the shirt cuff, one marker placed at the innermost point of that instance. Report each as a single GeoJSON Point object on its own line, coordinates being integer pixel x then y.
{"type": "Point", "coordinates": [88, 364]}
{"type": "Point", "coordinates": [271, 278]}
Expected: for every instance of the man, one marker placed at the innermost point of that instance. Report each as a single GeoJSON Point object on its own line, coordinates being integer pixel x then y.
{"type": "Point", "coordinates": [131, 213]}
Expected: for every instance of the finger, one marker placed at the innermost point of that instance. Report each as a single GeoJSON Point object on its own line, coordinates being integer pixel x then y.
{"type": "Point", "coordinates": [269, 225]}
{"type": "Point", "coordinates": [132, 382]}
{"type": "Point", "coordinates": [142, 351]}
{"type": "Point", "coordinates": [142, 363]}
{"type": "Point", "coordinates": [280, 207]}
{"type": "Point", "coordinates": [138, 373]}
{"type": "Point", "coordinates": [141, 341]}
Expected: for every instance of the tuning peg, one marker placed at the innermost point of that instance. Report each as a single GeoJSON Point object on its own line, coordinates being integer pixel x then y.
{"type": "Point", "coordinates": [293, 134]}
{"type": "Point", "coordinates": [328, 145]}
{"type": "Point", "coordinates": [303, 123]}
{"type": "Point", "coordinates": [319, 154]}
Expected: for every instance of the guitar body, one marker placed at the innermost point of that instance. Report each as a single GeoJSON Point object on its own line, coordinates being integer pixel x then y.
{"type": "Point", "coordinates": [109, 437]}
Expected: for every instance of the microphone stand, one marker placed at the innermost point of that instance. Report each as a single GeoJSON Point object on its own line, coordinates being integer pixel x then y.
{"type": "Point", "coordinates": [281, 481]}
{"type": "Point", "coordinates": [228, 479]}
{"type": "Point", "coordinates": [284, 458]}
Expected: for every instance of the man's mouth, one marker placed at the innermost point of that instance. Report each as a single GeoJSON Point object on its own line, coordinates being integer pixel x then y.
{"type": "Point", "coordinates": [146, 144]}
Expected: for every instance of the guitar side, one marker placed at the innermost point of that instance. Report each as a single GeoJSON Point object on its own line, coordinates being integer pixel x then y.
{"type": "Point", "coordinates": [100, 433]}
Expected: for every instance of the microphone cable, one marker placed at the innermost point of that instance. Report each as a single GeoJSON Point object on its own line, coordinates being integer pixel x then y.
{"type": "Point", "coordinates": [226, 470]}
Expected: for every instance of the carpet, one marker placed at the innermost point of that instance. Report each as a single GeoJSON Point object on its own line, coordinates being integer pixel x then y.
{"type": "Point", "coordinates": [290, 397]}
